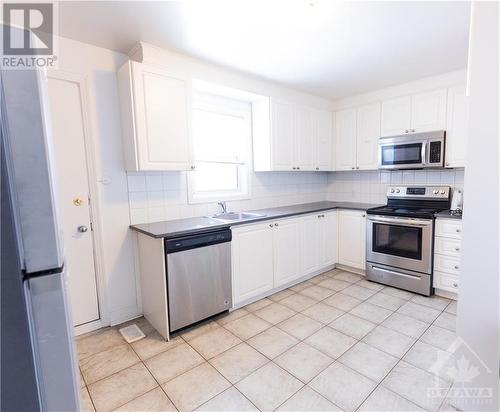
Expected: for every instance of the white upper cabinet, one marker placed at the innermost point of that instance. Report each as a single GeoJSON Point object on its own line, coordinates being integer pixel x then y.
{"type": "Point", "coordinates": [396, 116]}
{"type": "Point", "coordinates": [423, 112]}
{"type": "Point", "coordinates": [282, 135]}
{"type": "Point", "coordinates": [345, 139]}
{"type": "Point", "coordinates": [428, 111]}
{"type": "Point", "coordinates": [322, 124]}
{"type": "Point", "coordinates": [367, 135]}
{"type": "Point", "coordinates": [156, 117]}
{"type": "Point", "coordinates": [304, 139]}
{"type": "Point", "coordinates": [457, 127]}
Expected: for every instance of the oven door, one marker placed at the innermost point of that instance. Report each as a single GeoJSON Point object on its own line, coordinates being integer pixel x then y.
{"type": "Point", "coordinates": [400, 242]}
{"type": "Point", "coordinates": [402, 155]}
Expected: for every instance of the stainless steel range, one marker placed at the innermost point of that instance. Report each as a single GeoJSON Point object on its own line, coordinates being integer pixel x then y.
{"type": "Point", "coordinates": [400, 237]}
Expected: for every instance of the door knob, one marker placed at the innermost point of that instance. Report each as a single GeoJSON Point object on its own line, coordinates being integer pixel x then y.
{"type": "Point", "coordinates": [82, 229]}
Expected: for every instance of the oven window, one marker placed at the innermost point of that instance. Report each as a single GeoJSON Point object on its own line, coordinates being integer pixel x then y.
{"type": "Point", "coordinates": [403, 241]}
{"type": "Point", "coordinates": [400, 154]}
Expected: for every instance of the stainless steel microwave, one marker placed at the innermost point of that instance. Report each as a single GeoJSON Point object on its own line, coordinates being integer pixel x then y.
{"type": "Point", "coordinates": [412, 151]}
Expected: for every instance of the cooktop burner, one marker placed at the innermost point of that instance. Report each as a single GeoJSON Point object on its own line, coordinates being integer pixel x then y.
{"type": "Point", "coordinates": [405, 211]}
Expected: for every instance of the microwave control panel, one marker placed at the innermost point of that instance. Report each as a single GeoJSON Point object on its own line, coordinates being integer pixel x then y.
{"type": "Point", "coordinates": [435, 152]}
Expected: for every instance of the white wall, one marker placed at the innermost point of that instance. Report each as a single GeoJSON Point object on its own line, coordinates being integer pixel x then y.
{"type": "Point", "coordinates": [371, 186]}
{"type": "Point", "coordinates": [99, 67]}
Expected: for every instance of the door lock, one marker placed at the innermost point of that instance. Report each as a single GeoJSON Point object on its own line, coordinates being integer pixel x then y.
{"type": "Point", "coordinates": [77, 201]}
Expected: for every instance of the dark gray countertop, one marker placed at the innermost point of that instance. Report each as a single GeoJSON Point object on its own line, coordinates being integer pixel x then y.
{"type": "Point", "coordinates": [182, 227]}
{"type": "Point", "coordinates": [446, 214]}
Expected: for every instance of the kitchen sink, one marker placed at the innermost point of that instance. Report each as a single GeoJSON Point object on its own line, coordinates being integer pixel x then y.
{"type": "Point", "coordinates": [234, 216]}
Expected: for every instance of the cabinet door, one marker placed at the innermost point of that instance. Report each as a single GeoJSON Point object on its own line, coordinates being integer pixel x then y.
{"type": "Point", "coordinates": [286, 247]}
{"type": "Point", "coordinates": [304, 139]}
{"type": "Point", "coordinates": [428, 111]}
{"type": "Point", "coordinates": [322, 123]}
{"type": "Point", "coordinates": [395, 117]}
{"type": "Point", "coordinates": [457, 127]}
{"type": "Point", "coordinates": [283, 135]}
{"type": "Point", "coordinates": [252, 261]}
{"type": "Point", "coordinates": [162, 105]}
{"type": "Point", "coordinates": [328, 239]}
{"type": "Point", "coordinates": [367, 135]}
{"type": "Point", "coordinates": [352, 238]}
{"type": "Point", "coordinates": [310, 243]}
{"type": "Point", "coordinates": [345, 139]}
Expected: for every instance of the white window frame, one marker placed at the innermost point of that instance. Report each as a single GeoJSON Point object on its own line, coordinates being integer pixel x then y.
{"type": "Point", "coordinates": [227, 106]}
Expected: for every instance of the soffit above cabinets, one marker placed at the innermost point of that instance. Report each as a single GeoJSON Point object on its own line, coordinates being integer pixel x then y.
{"type": "Point", "coordinates": [330, 49]}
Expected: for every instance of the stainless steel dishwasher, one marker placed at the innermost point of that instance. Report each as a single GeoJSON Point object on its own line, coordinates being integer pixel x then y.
{"type": "Point", "coordinates": [198, 277]}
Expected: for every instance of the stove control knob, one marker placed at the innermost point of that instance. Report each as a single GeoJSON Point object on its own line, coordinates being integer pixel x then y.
{"type": "Point", "coordinates": [392, 190]}
{"type": "Point", "coordinates": [397, 190]}
{"type": "Point", "coordinates": [443, 192]}
{"type": "Point", "coordinates": [435, 192]}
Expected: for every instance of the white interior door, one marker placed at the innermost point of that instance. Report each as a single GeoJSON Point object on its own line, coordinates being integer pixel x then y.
{"type": "Point", "coordinates": [68, 128]}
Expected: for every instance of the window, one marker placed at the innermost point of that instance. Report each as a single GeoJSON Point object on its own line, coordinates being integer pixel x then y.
{"type": "Point", "coordinates": [221, 136]}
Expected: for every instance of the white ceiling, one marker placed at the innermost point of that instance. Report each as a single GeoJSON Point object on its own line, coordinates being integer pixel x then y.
{"type": "Point", "coordinates": [332, 49]}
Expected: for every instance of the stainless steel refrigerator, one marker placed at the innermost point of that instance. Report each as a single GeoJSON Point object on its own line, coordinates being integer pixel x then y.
{"type": "Point", "coordinates": [38, 362]}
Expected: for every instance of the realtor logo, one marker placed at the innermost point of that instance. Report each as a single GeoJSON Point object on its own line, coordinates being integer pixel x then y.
{"type": "Point", "coordinates": [37, 18]}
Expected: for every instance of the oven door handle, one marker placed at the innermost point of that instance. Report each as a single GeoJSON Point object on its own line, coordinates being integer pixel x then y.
{"type": "Point", "coordinates": [404, 275]}
{"type": "Point", "coordinates": [401, 222]}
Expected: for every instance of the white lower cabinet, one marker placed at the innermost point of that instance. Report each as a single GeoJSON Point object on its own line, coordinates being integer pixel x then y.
{"type": "Point", "coordinates": [447, 255]}
{"type": "Point", "coordinates": [352, 238]}
{"type": "Point", "coordinates": [286, 248]}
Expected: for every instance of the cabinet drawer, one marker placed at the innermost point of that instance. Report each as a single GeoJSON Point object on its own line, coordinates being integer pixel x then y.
{"type": "Point", "coordinates": [448, 247]}
{"type": "Point", "coordinates": [446, 264]}
{"type": "Point", "coordinates": [446, 282]}
{"type": "Point", "coordinates": [449, 228]}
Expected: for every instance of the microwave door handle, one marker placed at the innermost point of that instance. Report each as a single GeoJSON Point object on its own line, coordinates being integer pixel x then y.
{"type": "Point", "coordinates": [424, 154]}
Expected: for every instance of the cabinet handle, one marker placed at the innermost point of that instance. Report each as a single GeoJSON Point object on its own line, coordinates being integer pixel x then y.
{"type": "Point", "coordinates": [275, 224]}
{"type": "Point", "coordinates": [294, 168]}
{"type": "Point", "coordinates": [363, 216]}
{"type": "Point", "coordinates": [192, 167]}
{"type": "Point", "coordinates": [457, 249]}
{"type": "Point", "coordinates": [357, 167]}
{"type": "Point", "coordinates": [407, 131]}
{"type": "Point", "coordinates": [458, 230]}
{"type": "Point", "coordinates": [447, 163]}
{"type": "Point", "coordinates": [353, 168]}
{"type": "Point", "coordinates": [298, 168]}
{"type": "Point", "coordinates": [455, 285]}
{"type": "Point", "coordinates": [271, 225]}
{"type": "Point", "coordinates": [412, 130]}
{"type": "Point", "coordinates": [456, 267]}
{"type": "Point", "coordinates": [317, 168]}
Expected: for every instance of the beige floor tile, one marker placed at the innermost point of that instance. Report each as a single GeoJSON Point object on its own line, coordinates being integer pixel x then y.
{"type": "Point", "coordinates": [431, 359]}
{"type": "Point", "coordinates": [441, 338]}
{"type": "Point", "coordinates": [281, 295]}
{"type": "Point", "coordinates": [386, 301]}
{"type": "Point", "coordinates": [389, 341]}
{"type": "Point", "coordinates": [272, 342]}
{"type": "Point", "coordinates": [258, 305]}
{"type": "Point", "coordinates": [195, 387]}
{"type": "Point", "coordinates": [370, 285]}
{"type": "Point", "coordinates": [228, 317]}
{"type": "Point", "coordinates": [274, 313]}
{"type": "Point", "coordinates": [343, 302]}
{"type": "Point", "coordinates": [370, 312]}
{"type": "Point", "coordinates": [413, 384]}
{"type": "Point", "coordinates": [406, 325]}
{"type": "Point", "coordinates": [298, 302]}
{"type": "Point", "coordinates": [96, 342]}
{"type": "Point", "coordinates": [198, 330]}
{"type": "Point", "coordinates": [303, 361]}
{"type": "Point", "coordinates": [169, 364]}
{"type": "Point", "coordinates": [269, 386]}
{"type": "Point", "coordinates": [154, 344]}
{"type": "Point", "coordinates": [106, 363]}
{"type": "Point", "coordinates": [231, 400]}
{"type": "Point", "coordinates": [301, 286]}
{"type": "Point", "coordinates": [82, 381]}
{"type": "Point", "coordinates": [319, 278]}
{"type": "Point", "coordinates": [403, 294]}
{"type": "Point", "coordinates": [343, 386]}
{"type": "Point", "coordinates": [369, 361]}
{"type": "Point", "coordinates": [323, 313]}
{"type": "Point", "coordinates": [238, 362]}
{"type": "Point", "coordinates": [308, 400]}
{"type": "Point", "coordinates": [300, 326]}
{"type": "Point", "coordinates": [334, 284]}
{"type": "Point", "coordinates": [86, 404]}
{"type": "Point", "coordinates": [358, 292]}
{"type": "Point", "coordinates": [317, 292]}
{"type": "Point", "coordinates": [352, 325]}
{"type": "Point", "coordinates": [152, 401]}
{"type": "Point", "coordinates": [452, 307]}
{"type": "Point", "coordinates": [435, 302]}
{"type": "Point", "coordinates": [120, 388]}
{"type": "Point", "coordinates": [330, 342]}
{"type": "Point", "coordinates": [247, 326]}
{"type": "Point", "coordinates": [348, 277]}
{"type": "Point", "coordinates": [447, 321]}
{"type": "Point", "coordinates": [214, 343]}
{"type": "Point", "coordinates": [383, 399]}
{"type": "Point", "coordinates": [420, 312]}
{"type": "Point", "coordinates": [141, 322]}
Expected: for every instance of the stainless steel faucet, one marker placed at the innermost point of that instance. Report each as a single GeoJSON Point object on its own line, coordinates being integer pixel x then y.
{"type": "Point", "coordinates": [223, 206]}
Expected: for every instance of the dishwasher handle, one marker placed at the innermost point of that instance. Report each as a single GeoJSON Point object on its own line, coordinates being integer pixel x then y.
{"type": "Point", "coordinates": [196, 241]}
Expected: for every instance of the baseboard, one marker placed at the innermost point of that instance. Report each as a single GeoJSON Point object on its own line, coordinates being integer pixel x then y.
{"type": "Point", "coordinates": [88, 327]}
{"type": "Point", "coordinates": [358, 271]}
{"type": "Point", "coordinates": [445, 294]}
